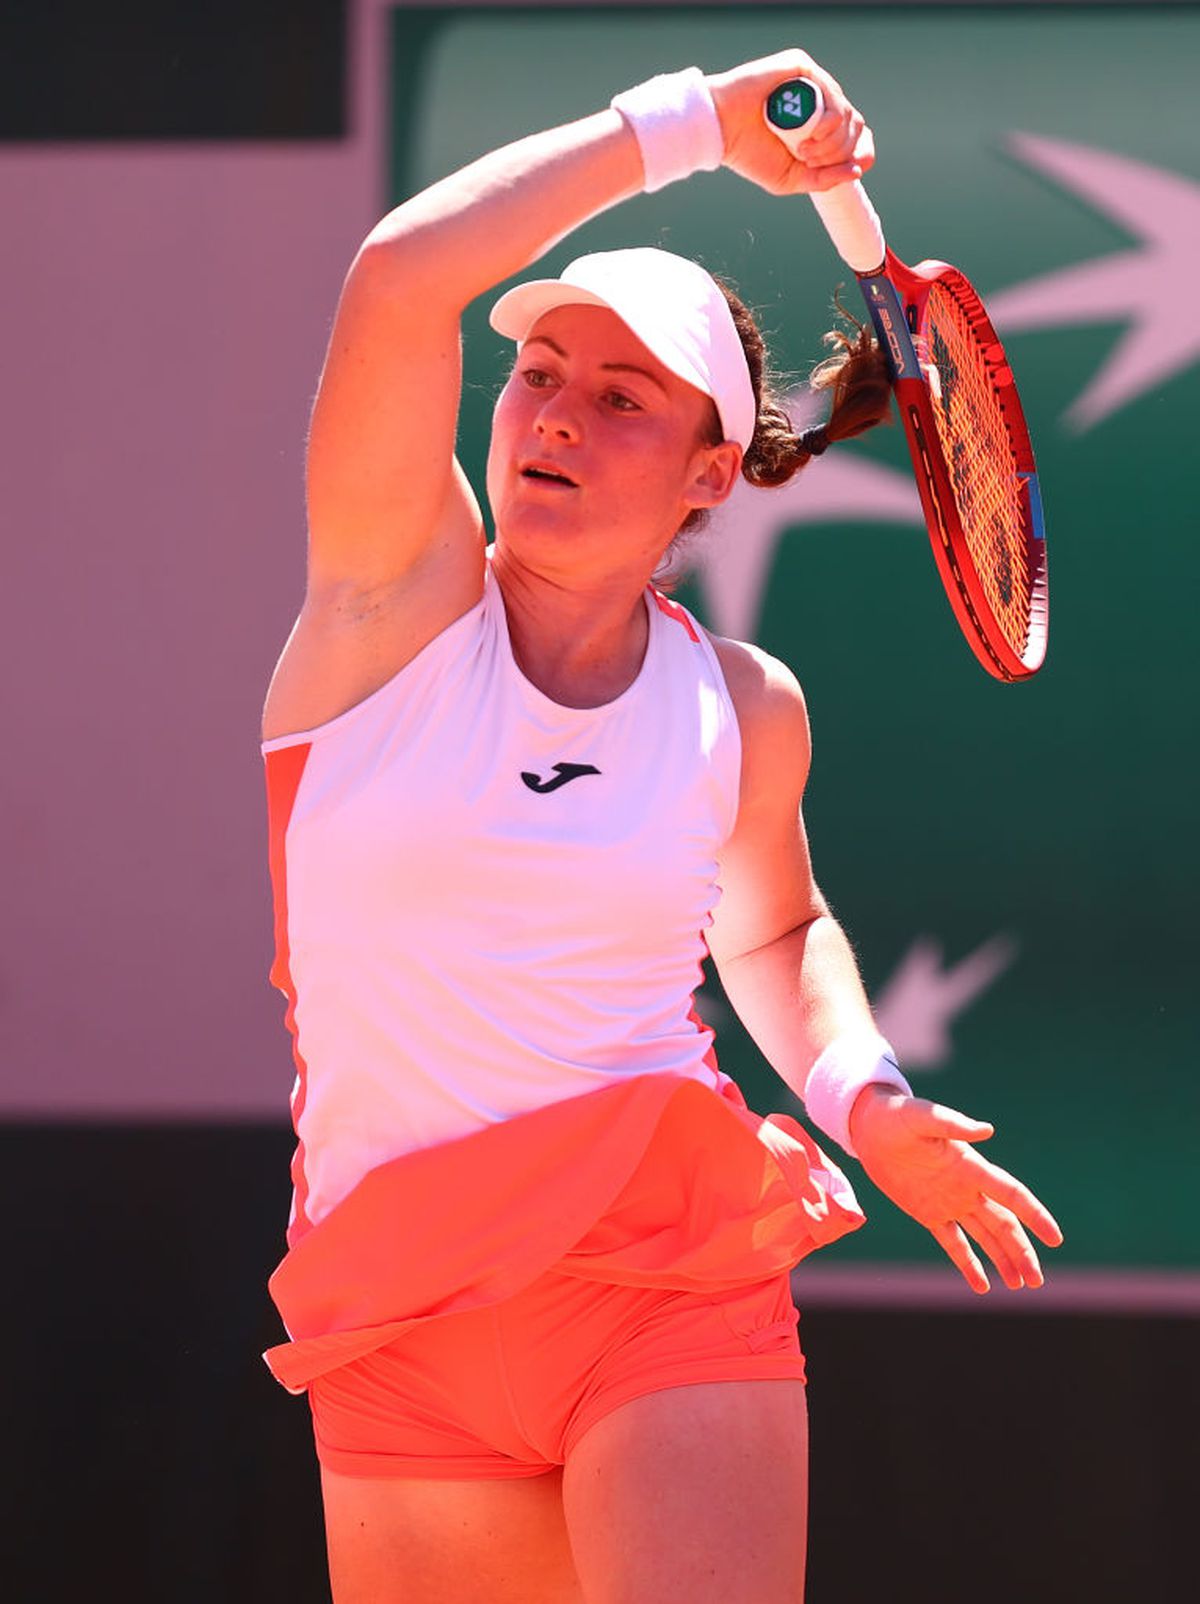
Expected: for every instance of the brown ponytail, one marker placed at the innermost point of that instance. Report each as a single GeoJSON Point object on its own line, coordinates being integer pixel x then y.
{"type": "Point", "coordinates": [856, 374]}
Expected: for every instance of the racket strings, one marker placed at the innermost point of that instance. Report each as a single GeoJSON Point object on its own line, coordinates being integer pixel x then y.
{"type": "Point", "coordinates": [979, 456]}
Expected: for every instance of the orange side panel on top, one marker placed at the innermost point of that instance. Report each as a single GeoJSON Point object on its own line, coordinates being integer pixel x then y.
{"type": "Point", "coordinates": [285, 769]}
{"type": "Point", "coordinates": [675, 611]}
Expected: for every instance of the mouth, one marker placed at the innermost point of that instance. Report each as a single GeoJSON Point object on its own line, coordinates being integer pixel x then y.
{"type": "Point", "coordinates": [545, 473]}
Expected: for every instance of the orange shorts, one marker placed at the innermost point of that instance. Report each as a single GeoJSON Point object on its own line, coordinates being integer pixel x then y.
{"type": "Point", "coordinates": [509, 1389]}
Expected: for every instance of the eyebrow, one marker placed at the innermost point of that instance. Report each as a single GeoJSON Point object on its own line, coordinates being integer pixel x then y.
{"type": "Point", "coordinates": [608, 367]}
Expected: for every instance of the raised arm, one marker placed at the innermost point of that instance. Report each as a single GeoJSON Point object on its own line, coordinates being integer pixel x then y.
{"type": "Point", "coordinates": [395, 537]}
{"type": "Point", "coordinates": [382, 484]}
{"type": "Point", "coordinates": [380, 459]}
{"type": "Point", "coordinates": [789, 971]}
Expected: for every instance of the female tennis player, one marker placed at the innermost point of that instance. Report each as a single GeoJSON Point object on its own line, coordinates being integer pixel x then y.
{"type": "Point", "coordinates": [537, 1281]}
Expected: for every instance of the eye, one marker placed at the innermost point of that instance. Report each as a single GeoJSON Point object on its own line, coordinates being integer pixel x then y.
{"type": "Point", "coordinates": [621, 402]}
{"type": "Point", "coordinates": [535, 378]}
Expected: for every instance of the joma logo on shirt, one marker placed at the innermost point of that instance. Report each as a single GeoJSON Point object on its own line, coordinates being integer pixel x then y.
{"type": "Point", "coordinates": [563, 772]}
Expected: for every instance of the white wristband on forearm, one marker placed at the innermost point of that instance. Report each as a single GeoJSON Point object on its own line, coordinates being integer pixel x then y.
{"type": "Point", "coordinates": [674, 118]}
{"type": "Point", "coordinates": [848, 1064]}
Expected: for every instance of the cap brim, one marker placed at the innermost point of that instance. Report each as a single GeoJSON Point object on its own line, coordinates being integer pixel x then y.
{"type": "Point", "coordinates": [675, 310]}
{"type": "Point", "coordinates": [515, 313]}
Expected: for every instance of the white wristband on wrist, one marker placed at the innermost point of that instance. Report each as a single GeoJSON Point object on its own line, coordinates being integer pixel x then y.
{"type": "Point", "coordinates": [674, 118]}
{"type": "Point", "coordinates": [847, 1065]}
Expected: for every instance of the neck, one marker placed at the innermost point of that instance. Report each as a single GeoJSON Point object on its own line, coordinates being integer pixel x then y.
{"type": "Point", "coordinates": [581, 644]}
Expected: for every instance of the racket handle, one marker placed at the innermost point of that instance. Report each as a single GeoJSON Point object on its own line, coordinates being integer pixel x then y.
{"type": "Point", "coordinates": [791, 112]}
{"type": "Point", "coordinates": [853, 225]}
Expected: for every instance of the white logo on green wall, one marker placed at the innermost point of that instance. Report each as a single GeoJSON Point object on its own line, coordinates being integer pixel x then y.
{"type": "Point", "coordinates": [1139, 287]}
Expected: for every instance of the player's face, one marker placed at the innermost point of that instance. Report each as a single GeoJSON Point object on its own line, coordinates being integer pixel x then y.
{"type": "Point", "coordinates": [598, 451]}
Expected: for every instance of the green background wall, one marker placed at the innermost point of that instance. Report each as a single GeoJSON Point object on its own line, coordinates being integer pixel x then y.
{"type": "Point", "coordinates": [1052, 818]}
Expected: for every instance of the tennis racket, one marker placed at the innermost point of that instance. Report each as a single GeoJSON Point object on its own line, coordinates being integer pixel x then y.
{"type": "Point", "coordinates": [966, 431]}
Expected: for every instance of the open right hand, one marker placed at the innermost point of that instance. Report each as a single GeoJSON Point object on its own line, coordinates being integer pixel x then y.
{"type": "Point", "coordinates": [923, 1156]}
{"type": "Point", "coordinates": [841, 148]}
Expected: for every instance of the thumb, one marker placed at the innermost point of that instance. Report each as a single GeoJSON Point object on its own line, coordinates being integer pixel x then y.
{"type": "Point", "coordinates": [936, 1120]}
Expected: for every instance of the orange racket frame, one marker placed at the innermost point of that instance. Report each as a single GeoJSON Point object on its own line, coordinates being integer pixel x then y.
{"type": "Point", "coordinates": [997, 588]}
{"type": "Point", "coordinates": [898, 298]}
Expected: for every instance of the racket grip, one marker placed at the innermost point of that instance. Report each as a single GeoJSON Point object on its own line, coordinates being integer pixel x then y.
{"type": "Point", "coordinates": [791, 111]}
{"type": "Point", "coordinates": [853, 225]}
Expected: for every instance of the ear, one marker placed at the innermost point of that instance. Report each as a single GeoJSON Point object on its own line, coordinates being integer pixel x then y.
{"type": "Point", "coordinates": [716, 473]}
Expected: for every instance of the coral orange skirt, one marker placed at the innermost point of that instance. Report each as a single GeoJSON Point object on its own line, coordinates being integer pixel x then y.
{"type": "Point", "coordinates": [652, 1182]}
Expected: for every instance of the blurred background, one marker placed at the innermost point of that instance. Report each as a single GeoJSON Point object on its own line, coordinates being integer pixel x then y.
{"type": "Point", "coordinates": [183, 185]}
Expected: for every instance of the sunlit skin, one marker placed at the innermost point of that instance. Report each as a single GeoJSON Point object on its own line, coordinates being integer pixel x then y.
{"type": "Point", "coordinates": [587, 398]}
{"type": "Point", "coordinates": [689, 1494]}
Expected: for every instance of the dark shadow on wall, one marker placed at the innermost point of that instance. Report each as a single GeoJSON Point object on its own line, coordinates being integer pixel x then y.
{"type": "Point", "coordinates": [150, 1457]}
{"type": "Point", "coordinates": [172, 69]}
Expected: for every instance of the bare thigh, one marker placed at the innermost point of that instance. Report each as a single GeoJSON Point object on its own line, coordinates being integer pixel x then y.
{"type": "Point", "coordinates": [693, 1495]}
{"type": "Point", "coordinates": [398, 1541]}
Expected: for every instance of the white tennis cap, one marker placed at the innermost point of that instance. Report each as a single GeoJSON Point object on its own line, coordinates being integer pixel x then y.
{"type": "Point", "coordinates": [673, 307]}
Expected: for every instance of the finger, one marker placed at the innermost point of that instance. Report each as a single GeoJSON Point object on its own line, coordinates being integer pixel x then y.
{"type": "Point", "coordinates": [819, 179]}
{"type": "Point", "coordinates": [994, 1248]}
{"type": "Point", "coordinates": [949, 1237]}
{"type": "Point", "coordinates": [934, 1119]}
{"type": "Point", "coordinates": [838, 142]}
{"type": "Point", "coordinates": [1003, 1239]}
{"type": "Point", "coordinates": [1013, 1194]}
{"type": "Point", "coordinates": [828, 132]}
{"type": "Point", "coordinates": [1017, 1242]}
{"type": "Point", "coordinates": [840, 147]}
{"type": "Point", "coordinates": [854, 143]}
{"type": "Point", "coordinates": [864, 149]}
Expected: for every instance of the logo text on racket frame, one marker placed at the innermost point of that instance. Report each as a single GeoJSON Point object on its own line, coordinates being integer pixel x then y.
{"type": "Point", "coordinates": [888, 317]}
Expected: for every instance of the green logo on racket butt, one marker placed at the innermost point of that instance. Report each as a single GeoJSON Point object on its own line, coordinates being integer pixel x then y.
{"type": "Point", "coordinates": [792, 110]}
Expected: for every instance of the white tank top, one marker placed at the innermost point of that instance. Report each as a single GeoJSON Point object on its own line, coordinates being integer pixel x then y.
{"type": "Point", "coordinates": [487, 902]}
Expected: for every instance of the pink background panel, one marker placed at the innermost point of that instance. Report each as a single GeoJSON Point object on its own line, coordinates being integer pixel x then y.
{"type": "Point", "coordinates": [166, 310]}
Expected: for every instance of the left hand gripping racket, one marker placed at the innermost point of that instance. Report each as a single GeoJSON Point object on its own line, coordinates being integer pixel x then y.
{"type": "Point", "coordinates": [962, 417]}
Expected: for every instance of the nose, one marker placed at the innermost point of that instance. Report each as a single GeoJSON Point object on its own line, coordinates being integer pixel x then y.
{"type": "Point", "coordinates": [558, 418]}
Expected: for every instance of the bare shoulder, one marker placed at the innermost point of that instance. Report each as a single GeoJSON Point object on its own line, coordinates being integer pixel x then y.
{"type": "Point", "coordinates": [772, 715]}
{"type": "Point", "coordinates": [765, 872]}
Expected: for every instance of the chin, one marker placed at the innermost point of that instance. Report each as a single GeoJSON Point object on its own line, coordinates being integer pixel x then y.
{"type": "Point", "coordinates": [520, 518]}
